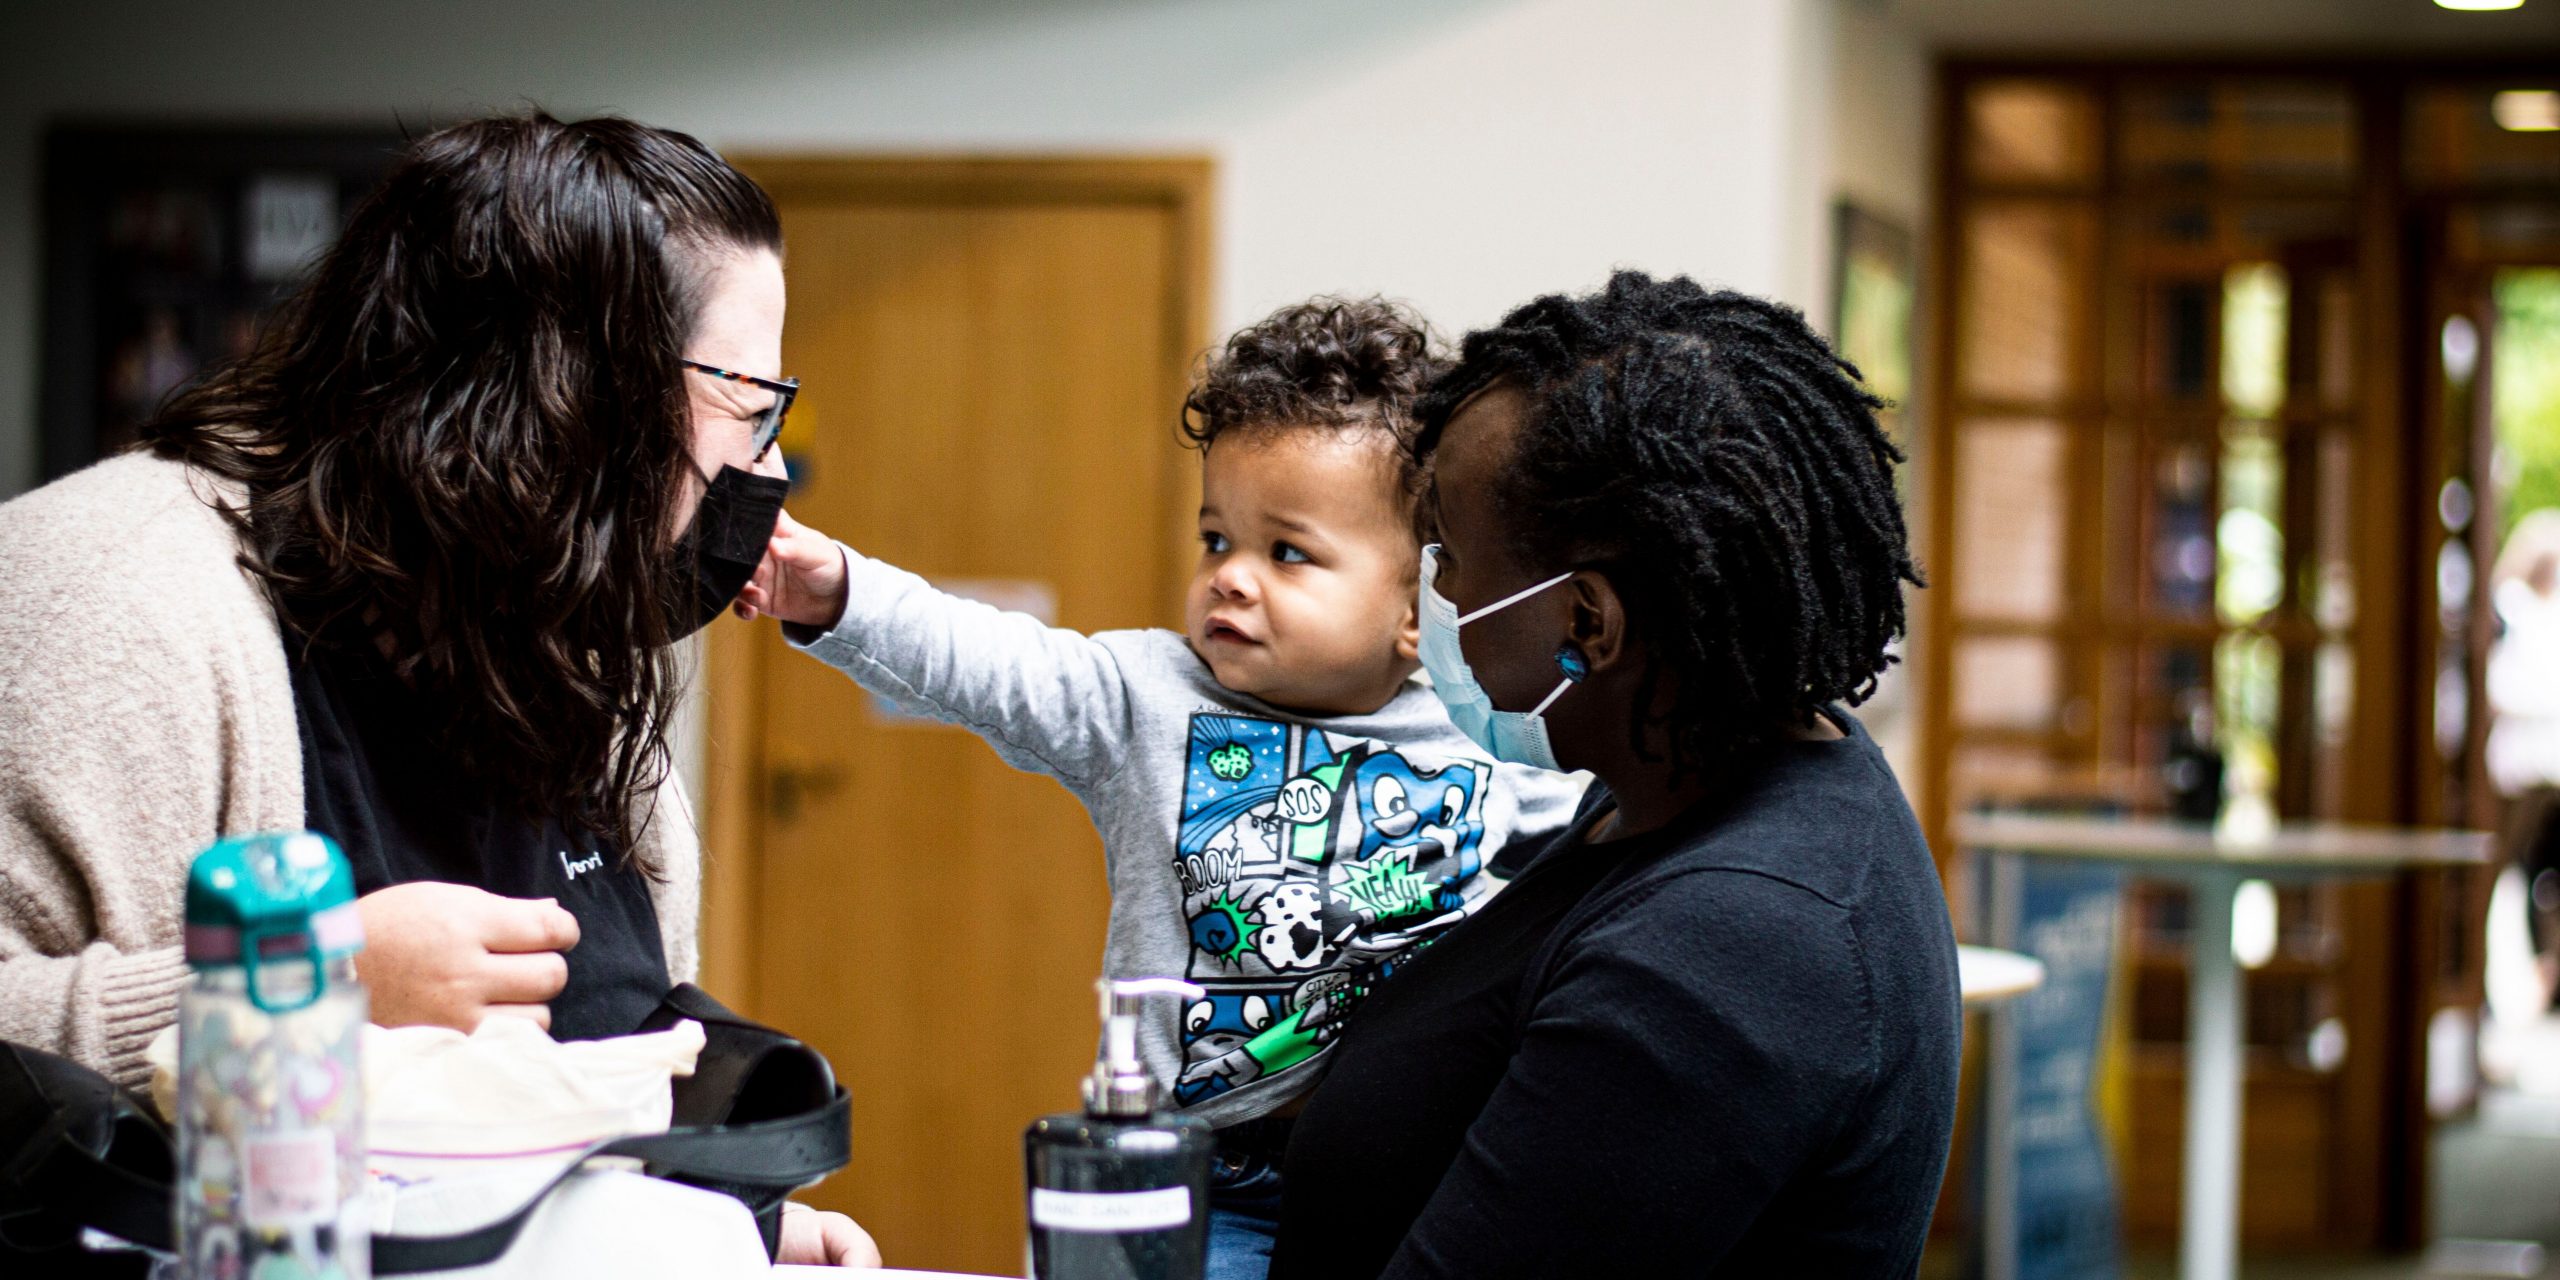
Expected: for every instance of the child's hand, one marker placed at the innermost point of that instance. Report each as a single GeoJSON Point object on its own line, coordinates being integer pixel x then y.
{"type": "Point", "coordinates": [801, 579]}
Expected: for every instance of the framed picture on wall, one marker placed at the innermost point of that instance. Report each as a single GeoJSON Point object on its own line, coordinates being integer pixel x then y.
{"type": "Point", "coordinates": [1875, 276]}
{"type": "Point", "coordinates": [165, 250]}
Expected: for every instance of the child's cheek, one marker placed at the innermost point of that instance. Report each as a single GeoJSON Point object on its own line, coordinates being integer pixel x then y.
{"type": "Point", "coordinates": [1195, 604]}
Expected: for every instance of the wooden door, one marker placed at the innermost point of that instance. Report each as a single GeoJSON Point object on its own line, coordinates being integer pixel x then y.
{"type": "Point", "coordinates": [993, 353]}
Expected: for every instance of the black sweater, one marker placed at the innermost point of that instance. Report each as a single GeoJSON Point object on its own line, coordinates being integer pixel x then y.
{"type": "Point", "coordinates": [1724, 1048]}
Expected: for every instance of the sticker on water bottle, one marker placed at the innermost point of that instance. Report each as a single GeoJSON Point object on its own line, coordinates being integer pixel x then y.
{"type": "Point", "coordinates": [292, 1179]}
{"type": "Point", "coordinates": [1110, 1211]}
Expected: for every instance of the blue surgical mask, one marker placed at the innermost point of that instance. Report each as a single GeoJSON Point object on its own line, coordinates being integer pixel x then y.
{"type": "Point", "coordinates": [1519, 737]}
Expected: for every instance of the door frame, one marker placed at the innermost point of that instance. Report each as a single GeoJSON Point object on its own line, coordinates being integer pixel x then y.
{"type": "Point", "coordinates": [731, 673]}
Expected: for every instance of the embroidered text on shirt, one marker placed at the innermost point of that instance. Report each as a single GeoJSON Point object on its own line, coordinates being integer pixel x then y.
{"type": "Point", "coordinates": [591, 862]}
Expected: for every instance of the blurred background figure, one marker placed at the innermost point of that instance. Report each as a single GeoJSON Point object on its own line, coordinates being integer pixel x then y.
{"type": "Point", "coordinates": [2524, 757]}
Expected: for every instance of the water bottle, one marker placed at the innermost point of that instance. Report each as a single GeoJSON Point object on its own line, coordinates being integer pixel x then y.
{"type": "Point", "coordinates": [270, 1103]}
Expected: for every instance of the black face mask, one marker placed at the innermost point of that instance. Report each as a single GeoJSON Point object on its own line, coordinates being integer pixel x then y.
{"type": "Point", "coordinates": [724, 544]}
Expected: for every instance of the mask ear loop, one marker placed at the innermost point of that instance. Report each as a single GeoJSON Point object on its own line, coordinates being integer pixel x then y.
{"type": "Point", "coordinates": [1550, 700]}
{"type": "Point", "coordinates": [1575, 667]}
{"type": "Point", "coordinates": [1515, 598]}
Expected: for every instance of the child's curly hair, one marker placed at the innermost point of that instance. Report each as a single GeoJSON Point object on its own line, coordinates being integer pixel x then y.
{"type": "Point", "coordinates": [1344, 364]}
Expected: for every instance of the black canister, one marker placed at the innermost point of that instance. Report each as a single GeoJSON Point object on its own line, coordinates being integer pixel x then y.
{"type": "Point", "coordinates": [1120, 1190]}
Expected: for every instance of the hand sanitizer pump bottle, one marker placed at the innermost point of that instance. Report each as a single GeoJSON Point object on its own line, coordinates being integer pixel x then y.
{"type": "Point", "coordinates": [1120, 1191]}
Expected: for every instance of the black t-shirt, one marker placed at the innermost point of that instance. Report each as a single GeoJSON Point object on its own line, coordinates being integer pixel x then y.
{"type": "Point", "coordinates": [403, 812]}
{"type": "Point", "coordinates": [1724, 1048]}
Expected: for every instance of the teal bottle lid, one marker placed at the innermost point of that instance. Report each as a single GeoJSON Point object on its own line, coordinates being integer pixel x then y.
{"type": "Point", "coordinates": [276, 896]}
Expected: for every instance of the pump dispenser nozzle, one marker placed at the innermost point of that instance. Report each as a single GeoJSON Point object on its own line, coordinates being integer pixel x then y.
{"type": "Point", "coordinates": [1120, 1085]}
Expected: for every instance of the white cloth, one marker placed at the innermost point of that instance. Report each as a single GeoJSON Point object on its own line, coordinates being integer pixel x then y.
{"type": "Point", "coordinates": [440, 1103]}
{"type": "Point", "coordinates": [586, 1227]}
{"type": "Point", "coordinates": [819, 1273]}
{"type": "Point", "coordinates": [462, 1129]}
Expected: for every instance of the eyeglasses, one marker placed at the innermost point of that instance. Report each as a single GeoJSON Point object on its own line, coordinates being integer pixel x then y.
{"type": "Point", "coordinates": [769, 425]}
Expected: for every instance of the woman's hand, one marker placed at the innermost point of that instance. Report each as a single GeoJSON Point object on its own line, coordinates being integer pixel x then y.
{"type": "Point", "coordinates": [814, 1238]}
{"type": "Point", "coordinates": [801, 579]}
{"type": "Point", "coordinates": [449, 955]}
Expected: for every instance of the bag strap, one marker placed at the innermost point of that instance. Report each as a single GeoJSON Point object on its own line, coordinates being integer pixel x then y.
{"type": "Point", "coordinates": [780, 1153]}
{"type": "Point", "coordinates": [76, 1151]}
{"type": "Point", "coordinates": [73, 1185]}
{"type": "Point", "coordinates": [66, 1183]}
{"type": "Point", "coordinates": [747, 1129]}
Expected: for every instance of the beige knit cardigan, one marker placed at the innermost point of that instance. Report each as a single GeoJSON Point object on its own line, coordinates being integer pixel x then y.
{"type": "Point", "coordinates": [145, 711]}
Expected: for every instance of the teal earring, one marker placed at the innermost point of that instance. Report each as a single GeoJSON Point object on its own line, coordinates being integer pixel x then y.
{"type": "Point", "coordinates": [1570, 661]}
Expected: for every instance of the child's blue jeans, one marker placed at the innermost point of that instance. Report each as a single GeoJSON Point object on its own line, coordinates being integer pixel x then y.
{"type": "Point", "coordinates": [1244, 1198]}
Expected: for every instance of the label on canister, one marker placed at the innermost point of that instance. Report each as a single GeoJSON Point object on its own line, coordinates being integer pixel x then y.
{"type": "Point", "coordinates": [1110, 1211]}
{"type": "Point", "coordinates": [291, 1179]}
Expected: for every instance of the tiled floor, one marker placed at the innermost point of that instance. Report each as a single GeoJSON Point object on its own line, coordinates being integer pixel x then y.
{"type": "Point", "coordinates": [2497, 1177]}
{"type": "Point", "coordinates": [2496, 1174]}
{"type": "Point", "coordinates": [2166, 1268]}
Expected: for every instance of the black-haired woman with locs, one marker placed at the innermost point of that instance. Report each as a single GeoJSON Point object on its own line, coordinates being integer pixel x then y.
{"type": "Point", "coordinates": [410, 574]}
{"type": "Point", "coordinates": [1711, 1030]}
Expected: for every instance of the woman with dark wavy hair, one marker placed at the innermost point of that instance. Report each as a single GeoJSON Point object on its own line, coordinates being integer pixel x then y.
{"type": "Point", "coordinates": [410, 574]}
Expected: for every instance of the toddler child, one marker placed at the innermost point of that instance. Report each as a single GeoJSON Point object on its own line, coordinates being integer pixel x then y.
{"type": "Point", "coordinates": [1286, 811]}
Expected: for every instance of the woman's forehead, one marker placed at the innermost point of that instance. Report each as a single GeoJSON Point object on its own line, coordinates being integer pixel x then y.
{"type": "Point", "coordinates": [740, 326]}
{"type": "Point", "coordinates": [1500, 404]}
{"type": "Point", "coordinates": [1477, 444]}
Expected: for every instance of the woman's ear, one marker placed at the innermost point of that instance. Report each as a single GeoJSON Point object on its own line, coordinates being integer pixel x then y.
{"type": "Point", "coordinates": [1596, 622]}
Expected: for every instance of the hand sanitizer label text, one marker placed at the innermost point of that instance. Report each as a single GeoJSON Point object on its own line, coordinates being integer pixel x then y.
{"type": "Point", "coordinates": [1110, 1211]}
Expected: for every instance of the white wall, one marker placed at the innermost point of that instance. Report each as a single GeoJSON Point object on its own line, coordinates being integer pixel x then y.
{"type": "Point", "coordinates": [1881, 113]}
{"type": "Point", "coordinates": [1881, 106]}
{"type": "Point", "coordinates": [1465, 154]}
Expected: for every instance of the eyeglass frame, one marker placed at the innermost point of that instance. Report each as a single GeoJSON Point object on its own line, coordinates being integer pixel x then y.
{"type": "Point", "coordinates": [769, 425]}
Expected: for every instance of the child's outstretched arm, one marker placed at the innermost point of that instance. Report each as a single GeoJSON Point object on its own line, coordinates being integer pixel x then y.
{"type": "Point", "coordinates": [1047, 699]}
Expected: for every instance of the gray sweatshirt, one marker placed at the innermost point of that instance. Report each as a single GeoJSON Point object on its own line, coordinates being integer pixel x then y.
{"type": "Point", "coordinates": [1280, 862]}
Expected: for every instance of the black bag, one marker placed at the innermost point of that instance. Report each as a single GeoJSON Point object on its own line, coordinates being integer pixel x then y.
{"type": "Point", "coordinates": [761, 1117]}
{"type": "Point", "coordinates": [76, 1151]}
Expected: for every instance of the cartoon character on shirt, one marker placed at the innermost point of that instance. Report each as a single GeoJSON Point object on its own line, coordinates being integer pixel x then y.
{"type": "Point", "coordinates": [1419, 836]}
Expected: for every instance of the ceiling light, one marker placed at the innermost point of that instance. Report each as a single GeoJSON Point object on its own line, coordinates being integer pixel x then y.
{"type": "Point", "coordinates": [2526, 110]}
{"type": "Point", "coordinates": [2479, 6]}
